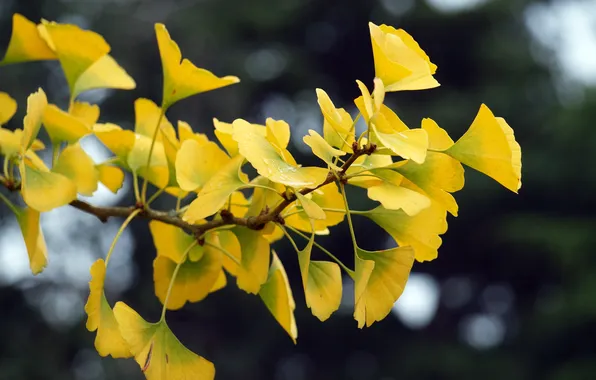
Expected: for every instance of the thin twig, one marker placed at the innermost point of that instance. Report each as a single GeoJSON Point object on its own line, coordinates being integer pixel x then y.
{"type": "Point", "coordinates": [253, 222]}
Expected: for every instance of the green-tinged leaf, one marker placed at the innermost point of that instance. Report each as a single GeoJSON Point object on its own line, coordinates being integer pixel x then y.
{"type": "Point", "coordinates": [277, 296]}
{"type": "Point", "coordinates": [322, 283]}
{"type": "Point", "coordinates": [158, 352]}
{"type": "Point", "coordinates": [77, 49]}
{"type": "Point", "coordinates": [43, 190]}
{"type": "Point", "coordinates": [393, 196]}
{"type": "Point", "coordinates": [420, 231]}
{"type": "Point", "coordinates": [310, 207]}
{"type": "Point", "coordinates": [380, 277]}
{"type": "Point", "coordinates": [438, 176]}
{"type": "Point", "coordinates": [75, 164]}
{"type": "Point", "coordinates": [252, 272]}
{"type": "Point", "coordinates": [62, 126]}
{"type": "Point", "coordinates": [100, 317]}
{"type": "Point", "coordinates": [338, 126]}
{"type": "Point", "coordinates": [327, 196]}
{"type": "Point", "coordinates": [103, 73]}
{"type": "Point", "coordinates": [194, 279]}
{"type": "Point", "coordinates": [172, 242]}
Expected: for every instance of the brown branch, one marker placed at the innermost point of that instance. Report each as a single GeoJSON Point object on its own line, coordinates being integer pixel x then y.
{"type": "Point", "coordinates": [227, 218]}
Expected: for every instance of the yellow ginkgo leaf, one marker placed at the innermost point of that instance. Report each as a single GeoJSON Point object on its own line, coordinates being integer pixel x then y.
{"type": "Point", "coordinates": [100, 316]}
{"type": "Point", "coordinates": [194, 279]}
{"type": "Point", "coordinates": [185, 132]}
{"type": "Point", "coordinates": [8, 107]}
{"type": "Point", "coordinates": [277, 296]}
{"type": "Point", "coordinates": [157, 351]}
{"type": "Point", "coordinates": [278, 133]}
{"type": "Point", "coordinates": [268, 162]}
{"type": "Point", "coordinates": [172, 242]}
{"type": "Point", "coordinates": [359, 176]}
{"type": "Point", "coordinates": [103, 73]}
{"type": "Point", "coordinates": [420, 231]}
{"type": "Point", "coordinates": [62, 126]}
{"type": "Point", "coordinates": [393, 196]}
{"type": "Point", "coordinates": [438, 138]}
{"type": "Point", "coordinates": [28, 219]}
{"type": "Point", "coordinates": [25, 43]}
{"type": "Point", "coordinates": [338, 126]}
{"type": "Point", "coordinates": [196, 163]}
{"type": "Point", "coordinates": [229, 242]}
{"type": "Point", "coordinates": [389, 131]}
{"type": "Point", "coordinates": [43, 190]}
{"type": "Point", "coordinates": [77, 49]}
{"type": "Point", "coordinates": [371, 104]}
{"type": "Point", "coordinates": [489, 146]}
{"type": "Point", "coordinates": [238, 204]}
{"type": "Point", "coordinates": [75, 164]}
{"type": "Point", "coordinates": [380, 278]}
{"type": "Point", "coordinates": [399, 61]}
{"type": "Point", "coordinates": [110, 176]}
{"type": "Point", "coordinates": [216, 191]}
{"type": "Point", "coordinates": [327, 196]}
{"type": "Point", "coordinates": [310, 207]}
{"type": "Point", "coordinates": [252, 273]}
{"type": "Point", "coordinates": [220, 283]}
{"type": "Point", "coordinates": [36, 105]}
{"type": "Point", "coordinates": [158, 172]}
{"type": "Point", "coordinates": [117, 140]}
{"type": "Point", "coordinates": [10, 142]}
{"type": "Point", "coordinates": [321, 281]}
{"type": "Point", "coordinates": [183, 79]}
{"type": "Point", "coordinates": [322, 149]}
{"type": "Point", "coordinates": [147, 115]}
{"type": "Point", "coordinates": [224, 133]}
{"type": "Point", "coordinates": [264, 197]}
{"type": "Point", "coordinates": [87, 113]}
{"type": "Point", "coordinates": [438, 176]}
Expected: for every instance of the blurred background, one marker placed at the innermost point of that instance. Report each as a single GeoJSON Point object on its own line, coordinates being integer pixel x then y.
{"type": "Point", "coordinates": [512, 293]}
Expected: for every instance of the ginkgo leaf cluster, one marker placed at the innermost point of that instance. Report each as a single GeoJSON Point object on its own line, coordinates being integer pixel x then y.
{"type": "Point", "coordinates": [226, 222]}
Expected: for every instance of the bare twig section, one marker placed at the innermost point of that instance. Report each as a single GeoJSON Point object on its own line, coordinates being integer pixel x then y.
{"type": "Point", "coordinates": [226, 217]}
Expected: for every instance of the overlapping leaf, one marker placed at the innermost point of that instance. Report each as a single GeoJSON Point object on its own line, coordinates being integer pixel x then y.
{"type": "Point", "coordinates": [277, 296]}
{"type": "Point", "coordinates": [157, 351]}
{"type": "Point", "coordinates": [100, 317]}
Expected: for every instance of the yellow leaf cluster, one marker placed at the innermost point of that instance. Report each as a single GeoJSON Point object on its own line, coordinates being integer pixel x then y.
{"type": "Point", "coordinates": [225, 221]}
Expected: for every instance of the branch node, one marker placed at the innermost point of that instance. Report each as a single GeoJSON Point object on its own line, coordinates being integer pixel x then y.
{"type": "Point", "coordinates": [280, 219]}
{"type": "Point", "coordinates": [226, 216]}
{"type": "Point", "coordinates": [254, 223]}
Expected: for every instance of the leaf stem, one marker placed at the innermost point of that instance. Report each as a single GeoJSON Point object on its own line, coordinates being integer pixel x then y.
{"type": "Point", "coordinates": [155, 195]}
{"type": "Point", "coordinates": [119, 233]}
{"type": "Point", "coordinates": [10, 205]}
{"type": "Point", "coordinates": [319, 246]}
{"type": "Point", "coordinates": [55, 153]}
{"type": "Point", "coordinates": [173, 279]}
{"type": "Point", "coordinates": [6, 173]}
{"type": "Point", "coordinates": [135, 185]}
{"type": "Point", "coordinates": [343, 193]}
{"type": "Point", "coordinates": [225, 252]}
{"type": "Point", "coordinates": [155, 132]}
